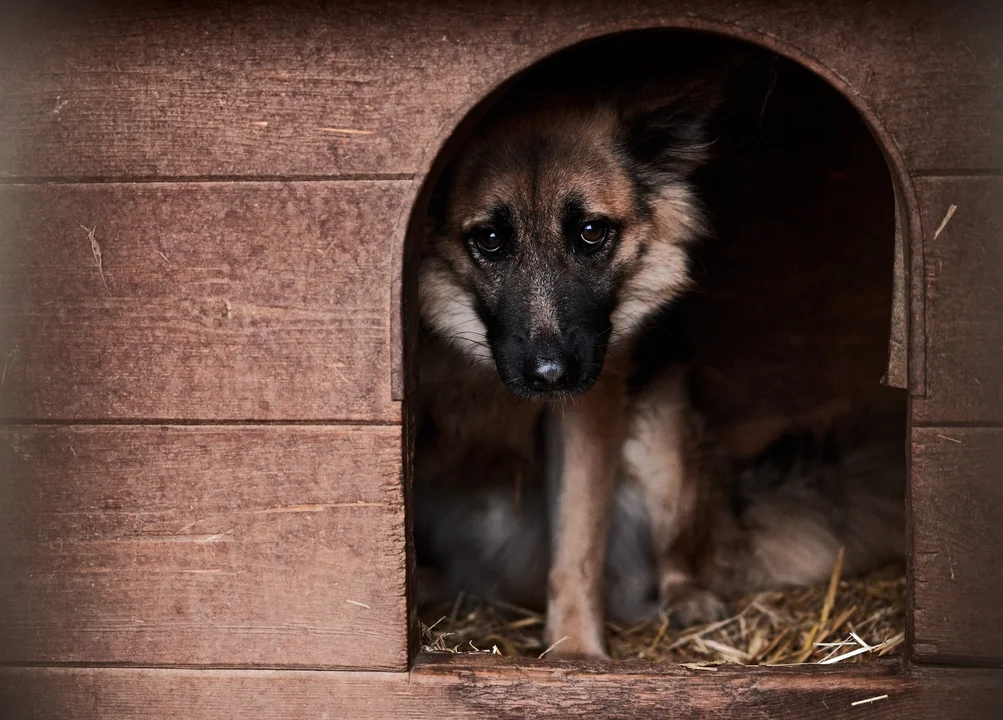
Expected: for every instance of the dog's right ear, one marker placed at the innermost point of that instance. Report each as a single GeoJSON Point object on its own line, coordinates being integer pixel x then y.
{"type": "Point", "coordinates": [667, 124]}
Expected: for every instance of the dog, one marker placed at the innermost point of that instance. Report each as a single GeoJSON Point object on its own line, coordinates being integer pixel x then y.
{"type": "Point", "coordinates": [546, 472]}
{"type": "Point", "coordinates": [557, 233]}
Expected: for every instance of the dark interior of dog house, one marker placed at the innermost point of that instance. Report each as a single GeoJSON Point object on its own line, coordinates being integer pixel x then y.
{"type": "Point", "coordinates": [787, 325]}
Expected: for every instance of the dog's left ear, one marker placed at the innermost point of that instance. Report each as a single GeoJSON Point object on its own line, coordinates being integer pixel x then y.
{"type": "Point", "coordinates": [667, 123]}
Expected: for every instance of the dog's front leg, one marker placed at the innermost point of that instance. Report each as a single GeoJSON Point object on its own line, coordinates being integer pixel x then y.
{"type": "Point", "coordinates": [589, 433]}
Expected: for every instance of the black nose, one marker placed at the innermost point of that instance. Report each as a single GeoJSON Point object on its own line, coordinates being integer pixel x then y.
{"type": "Point", "coordinates": [546, 371]}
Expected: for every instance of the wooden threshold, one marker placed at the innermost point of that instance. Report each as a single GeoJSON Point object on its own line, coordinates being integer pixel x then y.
{"type": "Point", "coordinates": [445, 687]}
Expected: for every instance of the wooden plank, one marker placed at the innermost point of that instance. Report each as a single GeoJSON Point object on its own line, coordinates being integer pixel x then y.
{"type": "Point", "coordinates": [101, 90]}
{"type": "Point", "coordinates": [964, 299]}
{"type": "Point", "coordinates": [462, 689]}
{"type": "Point", "coordinates": [181, 545]}
{"type": "Point", "coordinates": [263, 301]}
{"type": "Point", "coordinates": [956, 493]}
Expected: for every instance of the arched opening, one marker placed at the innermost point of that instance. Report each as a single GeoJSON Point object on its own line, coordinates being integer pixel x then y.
{"type": "Point", "coordinates": [787, 328]}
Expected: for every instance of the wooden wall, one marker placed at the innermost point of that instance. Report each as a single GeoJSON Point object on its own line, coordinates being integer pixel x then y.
{"type": "Point", "coordinates": [202, 211]}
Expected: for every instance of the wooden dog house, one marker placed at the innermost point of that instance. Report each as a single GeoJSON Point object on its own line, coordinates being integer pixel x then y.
{"type": "Point", "coordinates": [207, 298]}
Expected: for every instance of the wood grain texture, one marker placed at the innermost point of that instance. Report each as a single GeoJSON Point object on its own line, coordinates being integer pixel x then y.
{"type": "Point", "coordinates": [957, 503]}
{"type": "Point", "coordinates": [116, 89]}
{"type": "Point", "coordinates": [181, 545]}
{"type": "Point", "coordinates": [964, 299]}
{"type": "Point", "coordinates": [460, 688]}
{"type": "Point", "coordinates": [235, 301]}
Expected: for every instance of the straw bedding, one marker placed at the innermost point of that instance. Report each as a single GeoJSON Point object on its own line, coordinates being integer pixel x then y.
{"type": "Point", "coordinates": [843, 620]}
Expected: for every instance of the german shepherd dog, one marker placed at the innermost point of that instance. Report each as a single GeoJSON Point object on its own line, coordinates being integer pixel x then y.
{"type": "Point", "coordinates": [554, 239]}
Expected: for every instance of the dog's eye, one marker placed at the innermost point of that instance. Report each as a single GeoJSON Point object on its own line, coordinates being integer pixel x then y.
{"type": "Point", "coordinates": [594, 232]}
{"type": "Point", "coordinates": [487, 239]}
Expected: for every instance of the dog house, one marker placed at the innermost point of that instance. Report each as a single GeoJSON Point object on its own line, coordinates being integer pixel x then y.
{"type": "Point", "coordinates": [206, 314]}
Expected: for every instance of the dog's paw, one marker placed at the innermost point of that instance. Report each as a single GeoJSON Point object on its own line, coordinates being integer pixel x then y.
{"type": "Point", "coordinates": [696, 606]}
{"type": "Point", "coordinates": [568, 650]}
{"type": "Point", "coordinates": [569, 644]}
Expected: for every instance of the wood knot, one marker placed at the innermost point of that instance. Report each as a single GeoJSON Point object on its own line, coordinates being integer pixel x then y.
{"type": "Point", "coordinates": [212, 311]}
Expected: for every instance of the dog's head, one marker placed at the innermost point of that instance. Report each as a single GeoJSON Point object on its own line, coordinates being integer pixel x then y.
{"type": "Point", "coordinates": [561, 227]}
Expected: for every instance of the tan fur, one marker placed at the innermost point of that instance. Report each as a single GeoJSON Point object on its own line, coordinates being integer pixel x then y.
{"type": "Point", "coordinates": [663, 455]}
{"type": "Point", "coordinates": [592, 432]}
{"type": "Point", "coordinates": [657, 454]}
{"type": "Point", "coordinates": [444, 304]}
{"type": "Point", "coordinates": [664, 275]}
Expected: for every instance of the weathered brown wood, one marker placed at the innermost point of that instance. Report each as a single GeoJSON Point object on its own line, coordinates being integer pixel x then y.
{"type": "Point", "coordinates": [964, 299]}
{"type": "Point", "coordinates": [212, 300]}
{"type": "Point", "coordinates": [459, 688]}
{"type": "Point", "coordinates": [957, 505]}
{"type": "Point", "coordinates": [300, 88]}
{"type": "Point", "coordinates": [182, 545]}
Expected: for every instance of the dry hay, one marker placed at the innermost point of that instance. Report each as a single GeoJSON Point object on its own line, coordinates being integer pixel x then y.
{"type": "Point", "coordinates": [840, 621]}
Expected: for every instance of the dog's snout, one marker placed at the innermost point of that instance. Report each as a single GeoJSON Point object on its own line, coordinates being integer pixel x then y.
{"type": "Point", "coordinates": [547, 370]}
{"type": "Point", "coordinates": [563, 364]}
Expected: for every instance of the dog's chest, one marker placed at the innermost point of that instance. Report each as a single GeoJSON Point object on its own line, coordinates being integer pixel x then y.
{"type": "Point", "coordinates": [471, 429]}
